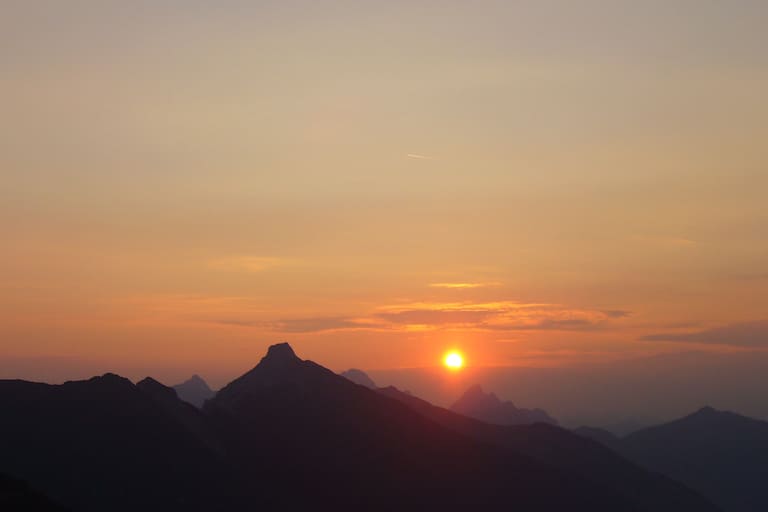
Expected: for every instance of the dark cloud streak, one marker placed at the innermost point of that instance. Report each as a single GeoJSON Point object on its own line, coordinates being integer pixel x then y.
{"type": "Point", "coordinates": [747, 334]}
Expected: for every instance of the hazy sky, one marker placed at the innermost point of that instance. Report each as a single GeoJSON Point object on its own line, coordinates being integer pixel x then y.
{"type": "Point", "coordinates": [533, 182]}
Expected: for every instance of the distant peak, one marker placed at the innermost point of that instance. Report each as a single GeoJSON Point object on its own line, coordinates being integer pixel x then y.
{"type": "Point", "coordinates": [476, 392]}
{"type": "Point", "coordinates": [359, 377]}
{"type": "Point", "coordinates": [706, 410]}
{"type": "Point", "coordinates": [477, 389]}
{"type": "Point", "coordinates": [196, 381]}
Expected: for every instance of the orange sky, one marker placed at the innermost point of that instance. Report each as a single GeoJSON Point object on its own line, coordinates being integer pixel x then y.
{"type": "Point", "coordinates": [535, 183]}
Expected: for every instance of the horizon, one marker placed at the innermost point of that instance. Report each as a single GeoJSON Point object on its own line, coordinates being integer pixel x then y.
{"type": "Point", "coordinates": [627, 398]}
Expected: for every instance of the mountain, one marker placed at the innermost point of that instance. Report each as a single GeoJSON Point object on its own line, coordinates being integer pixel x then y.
{"type": "Point", "coordinates": [600, 435]}
{"type": "Point", "coordinates": [292, 435]}
{"type": "Point", "coordinates": [721, 454]}
{"type": "Point", "coordinates": [107, 444]}
{"type": "Point", "coordinates": [194, 391]}
{"type": "Point", "coordinates": [324, 440]}
{"type": "Point", "coordinates": [17, 496]}
{"type": "Point", "coordinates": [487, 407]}
{"type": "Point", "coordinates": [569, 452]}
{"type": "Point", "coordinates": [359, 377]}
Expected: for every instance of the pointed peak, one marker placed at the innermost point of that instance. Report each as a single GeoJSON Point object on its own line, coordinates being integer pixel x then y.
{"type": "Point", "coordinates": [157, 390]}
{"type": "Point", "coordinates": [706, 411]}
{"type": "Point", "coordinates": [194, 381]}
{"type": "Point", "coordinates": [280, 352]}
{"type": "Point", "coordinates": [149, 381]}
{"type": "Point", "coordinates": [111, 378]}
{"type": "Point", "coordinates": [477, 389]}
{"type": "Point", "coordinates": [108, 381]}
{"type": "Point", "coordinates": [359, 377]}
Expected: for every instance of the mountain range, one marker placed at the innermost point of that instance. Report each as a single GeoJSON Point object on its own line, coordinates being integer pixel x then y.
{"type": "Point", "coordinates": [487, 407]}
{"type": "Point", "coordinates": [290, 434]}
{"type": "Point", "coordinates": [721, 454]}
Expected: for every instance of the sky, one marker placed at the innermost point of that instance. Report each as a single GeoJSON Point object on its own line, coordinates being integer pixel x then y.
{"type": "Point", "coordinates": [535, 183]}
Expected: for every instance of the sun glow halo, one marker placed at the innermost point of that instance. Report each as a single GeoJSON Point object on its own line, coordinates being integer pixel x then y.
{"type": "Point", "coordinates": [453, 360]}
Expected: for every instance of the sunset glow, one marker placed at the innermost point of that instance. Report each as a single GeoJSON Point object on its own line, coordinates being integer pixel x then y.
{"type": "Point", "coordinates": [526, 177]}
{"type": "Point", "coordinates": [443, 240]}
{"type": "Point", "coordinates": [453, 360]}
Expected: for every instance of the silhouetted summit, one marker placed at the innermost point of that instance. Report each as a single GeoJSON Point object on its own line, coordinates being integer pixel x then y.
{"type": "Point", "coordinates": [359, 377]}
{"type": "Point", "coordinates": [487, 407]}
{"type": "Point", "coordinates": [194, 391]}
{"type": "Point", "coordinates": [156, 389]}
{"type": "Point", "coordinates": [280, 353]}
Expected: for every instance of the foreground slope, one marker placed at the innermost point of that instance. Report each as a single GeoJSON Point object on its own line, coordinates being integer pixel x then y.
{"type": "Point", "coordinates": [17, 496]}
{"type": "Point", "coordinates": [105, 444]}
{"type": "Point", "coordinates": [560, 448]}
{"type": "Point", "coordinates": [721, 454]}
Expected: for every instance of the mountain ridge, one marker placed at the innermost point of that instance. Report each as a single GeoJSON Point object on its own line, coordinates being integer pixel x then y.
{"type": "Point", "coordinates": [287, 434]}
{"type": "Point", "coordinates": [487, 407]}
{"type": "Point", "coordinates": [720, 454]}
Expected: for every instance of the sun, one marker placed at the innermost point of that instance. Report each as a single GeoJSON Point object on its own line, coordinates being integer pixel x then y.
{"type": "Point", "coordinates": [453, 360]}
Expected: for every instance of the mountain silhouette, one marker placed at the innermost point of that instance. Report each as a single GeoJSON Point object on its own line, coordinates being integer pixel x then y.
{"type": "Point", "coordinates": [600, 435]}
{"type": "Point", "coordinates": [194, 391]}
{"type": "Point", "coordinates": [292, 435]}
{"type": "Point", "coordinates": [324, 439]}
{"type": "Point", "coordinates": [359, 377]}
{"type": "Point", "coordinates": [487, 407]}
{"type": "Point", "coordinates": [106, 444]}
{"type": "Point", "coordinates": [562, 449]}
{"type": "Point", "coordinates": [17, 496]}
{"type": "Point", "coordinates": [721, 454]}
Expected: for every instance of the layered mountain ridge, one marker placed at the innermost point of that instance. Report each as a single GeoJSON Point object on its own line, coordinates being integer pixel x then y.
{"type": "Point", "coordinates": [291, 434]}
{"type": "Point", "coordinates": [721, 454]}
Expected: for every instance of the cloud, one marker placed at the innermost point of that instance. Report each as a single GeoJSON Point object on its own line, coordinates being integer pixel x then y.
{"type": "Point", "coordinates": [616, 313]}
{"type": "Point", "coordinates": [463, 285]}
{"type": "Point", "coordinates": [491, 316]}
{"type": "Point", "coordinates": [416, 156]}
{"type": "Point", "coordinates": [436, 317]}
{"type": "Point", "coordinates": [319, 324]}
{"type": "Point", "coordinates": [302, 325]}
{"type": "Point", "coordinates": [747, 334]}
